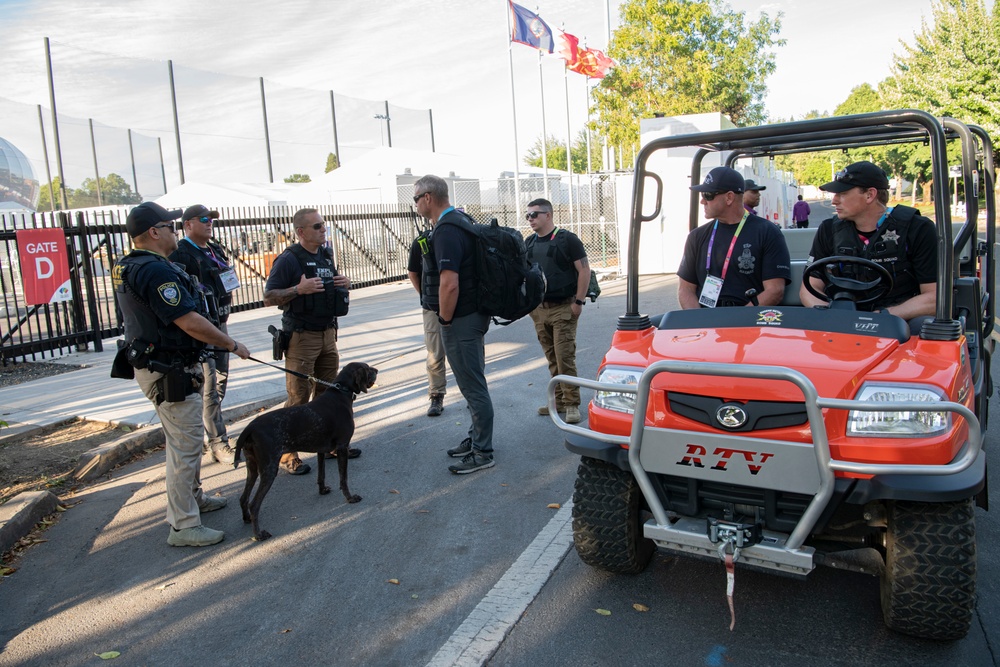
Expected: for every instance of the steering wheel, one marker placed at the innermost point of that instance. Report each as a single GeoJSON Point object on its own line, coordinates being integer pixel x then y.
{"type": "Point", "coordinates": [838, 287]}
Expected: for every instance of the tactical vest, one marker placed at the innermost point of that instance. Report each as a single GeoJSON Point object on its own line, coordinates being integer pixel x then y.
{"type": "Point", "coordinates": [890, 252]}
{"type": "Point", "coordinates": [312, 312]}
{"type": "Point", "coordinates": [560, 273]}
{"type": "Point", "coordinates": [170, 342]}
{"type": "Point", "coordinates": [430, 278]}
{"type": "Point", "coordinates": [207, 273]}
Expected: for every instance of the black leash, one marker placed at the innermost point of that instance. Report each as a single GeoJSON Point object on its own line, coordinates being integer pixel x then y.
{"type": "Point", "coordinates": [300, 375]}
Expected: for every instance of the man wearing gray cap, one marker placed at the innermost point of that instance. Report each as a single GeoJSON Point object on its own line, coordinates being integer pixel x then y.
{"type": "Point", "coordinates": [208, 264]}
{"type": "Point", "coordinates": [732, 254]}
{"type": "Point", "coordinates": [165, 335]}
{"type": "Point", "coordinates": [896, 237]}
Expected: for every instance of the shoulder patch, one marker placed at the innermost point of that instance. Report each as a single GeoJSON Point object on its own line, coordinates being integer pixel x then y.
{"type": "Point", "coordinates": [170, 293]}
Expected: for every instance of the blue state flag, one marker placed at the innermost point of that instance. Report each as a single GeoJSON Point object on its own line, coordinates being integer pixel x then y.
{"type": "Point", "coordinates": [528, 28]}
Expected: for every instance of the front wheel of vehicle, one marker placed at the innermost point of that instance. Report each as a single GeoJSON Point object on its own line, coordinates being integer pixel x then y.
{"type": "Point", "coordinates": [929, 583]}
{"type": "Point", "coordinates": [607, 526]}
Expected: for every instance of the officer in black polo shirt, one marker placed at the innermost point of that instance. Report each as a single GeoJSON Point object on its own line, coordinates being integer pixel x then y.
{"type": "Point", "coordinates": [165, 332]}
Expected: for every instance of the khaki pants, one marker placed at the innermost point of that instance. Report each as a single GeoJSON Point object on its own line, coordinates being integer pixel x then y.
{"type": "Point", "coordinates": [436, 382]}
{"type": "Point", "coordinates": [183, 432]}
{"type": "Point", "coordinates": [556, 330]}
{"type": "Point", "coordinates": [310, 353]}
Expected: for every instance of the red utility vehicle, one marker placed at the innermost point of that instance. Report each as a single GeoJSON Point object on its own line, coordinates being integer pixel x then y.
{"type": "Point", "coordinates": [782, 438]}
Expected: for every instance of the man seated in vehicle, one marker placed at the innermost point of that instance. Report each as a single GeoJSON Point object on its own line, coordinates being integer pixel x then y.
{"type": "Point", "coordinates": [896, 237]}
{"type": "Point", "coordinates": [734, 253]}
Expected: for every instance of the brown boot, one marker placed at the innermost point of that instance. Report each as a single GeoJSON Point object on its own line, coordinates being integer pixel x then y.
{"type": "Point", "coordinates": [437, 405]}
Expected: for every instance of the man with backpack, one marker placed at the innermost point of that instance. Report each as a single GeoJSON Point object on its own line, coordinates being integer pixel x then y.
{"type": "Point", "coordinates": [563, 259]}
{"type": "Point", "coordinates": [449, 285]}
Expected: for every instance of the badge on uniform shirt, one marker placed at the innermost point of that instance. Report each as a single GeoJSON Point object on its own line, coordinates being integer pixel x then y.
{"type": "Point", "coordinates": [710, 292]}
{"type": "Point", "coordinates": [170, 293]}
{"type": "Point", "coordinates": [229, 280]}
{"type": "Point", "coordinates": [891, 235]}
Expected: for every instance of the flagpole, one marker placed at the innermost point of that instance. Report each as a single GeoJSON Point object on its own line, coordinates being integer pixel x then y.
{"type": "Point", "coordinates": [545, 145]}
{"type": "Point", "coordinates": [590, 166]}
{"type": "Point", "coordinates": [569, 143]}
{"type": "Point", "coordinates": [513, 108]}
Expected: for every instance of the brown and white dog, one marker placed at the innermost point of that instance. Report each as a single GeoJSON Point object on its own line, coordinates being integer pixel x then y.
{"type": "Point", "coordinates": [322, 425]}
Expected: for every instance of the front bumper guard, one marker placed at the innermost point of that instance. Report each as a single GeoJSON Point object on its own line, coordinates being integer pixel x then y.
{"type": "Point", "coordinates": [805, 468]}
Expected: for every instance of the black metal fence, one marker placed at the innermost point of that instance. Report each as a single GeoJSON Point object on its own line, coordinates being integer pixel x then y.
{"type": "Point", "coordinates": [370, 244]}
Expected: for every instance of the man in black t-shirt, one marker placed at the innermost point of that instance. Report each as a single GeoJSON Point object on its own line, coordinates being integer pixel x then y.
{"type": "Point", "coordinates": [450, 286]}
{"type": "Point", "coordinates": [563, 259]}
{"type": "Point", "coordinates": [436, 383]}
{"type": "Point", "coordinates": [898, 238]}
{"type": "Point", "coordinates": [734, 253]}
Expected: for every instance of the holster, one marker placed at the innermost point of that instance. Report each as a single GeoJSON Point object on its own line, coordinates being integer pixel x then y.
{"type": "Point", "coordinates": [279, 343]}
{"type": "Point", "coordinates": [176, 384]}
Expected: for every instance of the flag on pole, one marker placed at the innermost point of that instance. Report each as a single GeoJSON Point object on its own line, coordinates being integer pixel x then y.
{"type": "Point", "coordinates": [592, 63]}
{"type": "Point", "coordinates": [566, 46]}
{"type": "Point", "coordinates": [529, 29]}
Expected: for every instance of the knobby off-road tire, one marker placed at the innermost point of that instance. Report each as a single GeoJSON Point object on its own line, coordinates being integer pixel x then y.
{"type": "Point", "coordinates": [607, 531]}
{"type": "Point", "coordinates": [929, 584]}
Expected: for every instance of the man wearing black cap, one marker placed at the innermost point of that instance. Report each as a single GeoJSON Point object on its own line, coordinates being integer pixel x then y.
{"type": "Point", "coordinates": [898, 238]}
{"type": "Point", "coordinates": [735, 252]}
{"type": "Point", "coordinates": [751, 195]}
{"type": "Point", "coordinates": [207, 263]}
{"type": "Point", "coordinates": [164, 335]}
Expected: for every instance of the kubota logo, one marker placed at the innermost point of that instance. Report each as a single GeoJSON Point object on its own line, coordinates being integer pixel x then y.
{"type": "Point", "coordinates": [754, 460]}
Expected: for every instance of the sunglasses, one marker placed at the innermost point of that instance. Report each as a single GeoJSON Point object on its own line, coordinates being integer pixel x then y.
{"type": "Point", "coordinates": [533, 215]}
{"type": "Point", "coordinates": [205, 219]}
{"type": "Point", "coordinates": [417, 198]}
{"type": "Point", "coordinates": [168, 225]}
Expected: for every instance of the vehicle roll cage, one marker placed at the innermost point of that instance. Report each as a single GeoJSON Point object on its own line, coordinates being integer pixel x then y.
{"type": "Point", "coordinates": [841, 132]}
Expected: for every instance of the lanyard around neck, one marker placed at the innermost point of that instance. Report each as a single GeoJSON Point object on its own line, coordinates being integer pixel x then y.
{"type": "Point", "coordinates": [732, 244]}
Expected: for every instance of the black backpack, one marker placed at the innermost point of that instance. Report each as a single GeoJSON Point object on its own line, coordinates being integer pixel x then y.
{"type": "Point", "coordinates": [509, 286]}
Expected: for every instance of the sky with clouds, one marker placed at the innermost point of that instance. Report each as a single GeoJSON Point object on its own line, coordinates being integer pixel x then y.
{"type": "Point", "coordinates": [449, 56]}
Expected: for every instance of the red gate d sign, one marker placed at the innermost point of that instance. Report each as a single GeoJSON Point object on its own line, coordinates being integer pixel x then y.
{"type": "Point", "coordinates": [44, 267]}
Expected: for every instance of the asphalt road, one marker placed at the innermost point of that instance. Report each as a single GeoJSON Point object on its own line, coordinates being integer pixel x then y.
{"type": "Point", "coordinates": [468, 553]}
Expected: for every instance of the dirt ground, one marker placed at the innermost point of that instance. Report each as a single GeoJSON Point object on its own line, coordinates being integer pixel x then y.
{"type": "Point", "coordinates": [44, 459]}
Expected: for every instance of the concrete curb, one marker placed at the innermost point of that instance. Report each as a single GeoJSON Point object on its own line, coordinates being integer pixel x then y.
{"type": "Point", "coordinates": [20, 514]}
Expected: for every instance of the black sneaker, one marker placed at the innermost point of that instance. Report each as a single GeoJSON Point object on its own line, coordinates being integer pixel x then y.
{"type": "Point", "coordinates": [472, 462]}
{"type": "Point", "coordinates": [463, 448]}
{"type": "Point", "coordinates": [437, 405]}
{"type": "Point", "coordinates": [296, 467]}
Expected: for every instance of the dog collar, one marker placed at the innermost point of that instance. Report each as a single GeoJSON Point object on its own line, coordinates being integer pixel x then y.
{"type": "Point", "coordinates": [340, 387]}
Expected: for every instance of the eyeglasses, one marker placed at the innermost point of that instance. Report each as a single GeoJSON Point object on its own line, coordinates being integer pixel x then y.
{"type": "Point", "coordinates": [417, 198]}
{"type": "Point", "coordinates": [205, 219]}
{"type": "Point", "coordinates": [166, 226]}
{"type": "Point", "coordinates": [316, 226]}
{"type": "Point", "coordinates": [534, 214]}
{"type": "Point", "coordinates": [709, 196]}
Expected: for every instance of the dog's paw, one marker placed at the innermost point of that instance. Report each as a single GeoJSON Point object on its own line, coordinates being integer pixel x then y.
{"type": "Point", "coordinates": [323, 490]}
{"type": "Point", "coordinates": [263, 536]}
{"type": "Point", "coordinates": [354, 499]}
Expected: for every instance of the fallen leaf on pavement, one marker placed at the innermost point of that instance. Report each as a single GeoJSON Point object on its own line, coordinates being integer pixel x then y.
{"type": "Point", "coordinates": [60, 508]}
{"type": "Point", "coordinates": [285, 631]}
{"type": "Point", "coordinates": [414, 596]}
{"type": "Point", "coordinates": [108, 655]}
{"type": "Point", "coordinates": [640, 607]}
{"type": "Point", "coordinates": [603, 612]}
{"type": "Point", "coordinates": [4, 571]}
{"type": "Point", "coordinates": [553, 506]}
{"type": "Point", "coordinates": [393, 491]}
{"type": "Point", "coordinates": [162, 587]}
{"type": "Point", "coordinates": [423, 511]}
{"type": "Point", "coordinates": [394, 581]}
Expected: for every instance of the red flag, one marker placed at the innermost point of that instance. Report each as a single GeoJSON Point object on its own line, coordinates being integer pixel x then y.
{"type": "Point", "coordinates": [592, 63]}
{"type": "Point", "coordinates": [567, 47]}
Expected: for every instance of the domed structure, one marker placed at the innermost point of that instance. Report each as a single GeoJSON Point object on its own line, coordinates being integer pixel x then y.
{"type": "Point", "coordinates": [18, 186]}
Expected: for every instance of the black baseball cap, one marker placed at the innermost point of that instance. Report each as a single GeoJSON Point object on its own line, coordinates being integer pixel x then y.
{"type": "Point", "coordinates": [752, 185]}
{"type": "Point", "coordinates": [146, 215]}
{"type": "Point", "coordinates": [858, 175]}
{"type": "Point", "coordinates": [198, 211]}
{"type": "Point", "coordinates": [722, 179]}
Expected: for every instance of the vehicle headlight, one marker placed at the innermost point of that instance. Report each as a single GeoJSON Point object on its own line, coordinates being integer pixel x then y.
{"type": "Point", "coordinates": [898, 423]}
{"type": "Point", "coordinates": [614, 400]}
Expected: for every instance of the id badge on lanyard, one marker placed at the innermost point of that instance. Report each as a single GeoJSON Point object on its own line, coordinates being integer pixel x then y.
{"type": "Point", "coordinates": [712, 289]}
{"type": "Point", "coordinates": [229, 279]}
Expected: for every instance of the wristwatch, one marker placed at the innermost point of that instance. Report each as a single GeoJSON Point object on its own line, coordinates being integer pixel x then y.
{"type": "Point", "coordinates": [236, 346]}
{"type": "Point", "coordinates": [444, 322]}
{"type": "Point", "coordinates": [580, 302]}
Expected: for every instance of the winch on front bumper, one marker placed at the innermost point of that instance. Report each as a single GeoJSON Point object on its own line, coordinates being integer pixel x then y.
{"type": "Point", "coordinates": [795, 468]}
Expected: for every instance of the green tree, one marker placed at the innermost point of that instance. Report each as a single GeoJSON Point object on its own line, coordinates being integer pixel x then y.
{"type": "Point", "coordinates": [45, 202]}
{"type": "Point", "coordinates": [556, 153]}
{"type": "Point", "coordinates": [114, 190]}
{"type": "Point", "coordinates": [298, 178]}
{"type": "Point", "coordinates": [684, 56]}
{"type": "Point", "coordinates": [332, 162]}
{"type": "Point", "coordinates": [951, 68]}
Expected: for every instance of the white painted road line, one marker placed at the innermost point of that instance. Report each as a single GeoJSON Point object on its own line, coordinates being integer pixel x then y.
{"type": "Point", "coordinates": [481, 633]}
